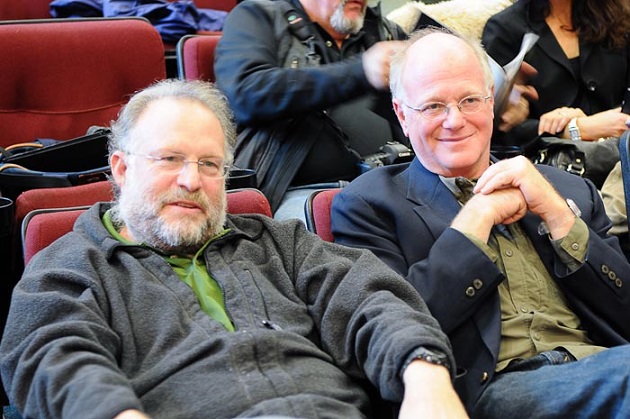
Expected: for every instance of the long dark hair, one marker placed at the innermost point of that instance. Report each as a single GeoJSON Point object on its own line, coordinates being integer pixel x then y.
{"type": "Point", "coordinates": [596, 21]}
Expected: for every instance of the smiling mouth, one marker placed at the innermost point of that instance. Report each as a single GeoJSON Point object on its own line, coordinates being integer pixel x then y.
{"type": "Point", "coordinates": [456, 139]}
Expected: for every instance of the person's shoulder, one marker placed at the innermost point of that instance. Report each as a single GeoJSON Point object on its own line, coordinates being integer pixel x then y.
{"type": "Point", "coordinates": [254, 226]}
{"type": "Point", "coordinates": [561, 177]}
{"type": "Point", "coordinates": [549, 170]}
{"type": "Point", "coordinates": [515, 10]}
{"type": "Point", "coordinates": [514, 15]}
{"type": "Point", "coordinates": [87, 240]}
{"type": "Point", "coordinates": [259, 3]}
{"type": "Point", "coordinates": [376, 181]}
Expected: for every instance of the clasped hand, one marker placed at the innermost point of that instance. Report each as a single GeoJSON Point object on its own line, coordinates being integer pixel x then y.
{"type": "Point", "coordinates": [503, 195]}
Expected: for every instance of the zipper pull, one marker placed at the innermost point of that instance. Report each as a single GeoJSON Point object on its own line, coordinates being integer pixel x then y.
{"type": "Point", "coordinates": [270, 325]}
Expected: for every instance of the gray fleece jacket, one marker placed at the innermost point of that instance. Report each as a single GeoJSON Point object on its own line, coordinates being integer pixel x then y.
{"type": "Point", "coordinates": [97, 327]}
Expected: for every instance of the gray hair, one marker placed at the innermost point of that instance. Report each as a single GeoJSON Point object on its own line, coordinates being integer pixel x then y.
{"type": "Point", "coordinates": [199, 91]}
{"type": "Point", "coordinates": [399, 59]}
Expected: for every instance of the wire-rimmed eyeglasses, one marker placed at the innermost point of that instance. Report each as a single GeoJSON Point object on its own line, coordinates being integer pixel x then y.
{"type": "Point", "coordinates": [434, 110]}
{"type": "Point", "coordinates": [210, 167]}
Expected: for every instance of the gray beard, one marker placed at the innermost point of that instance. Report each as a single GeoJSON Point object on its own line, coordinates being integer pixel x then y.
{"type": "Point", "coordinates": [145, 225]}
{"type": "Point", "coordinates": [343, 25]}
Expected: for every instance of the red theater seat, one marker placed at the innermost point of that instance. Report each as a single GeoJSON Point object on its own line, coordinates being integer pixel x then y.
{"type": "Point", "coordinates": [61, 76]}
{"type": "Point", "coordinates": [24, 9]}
{"type": "Point", "coordinates": [226, 5]}
{"type": "Point", "coordinates": [195, 57]}
{"type": "Point", "coordinates": [317, 211]}
{"type": "Point", "coordinates": [41, 227]}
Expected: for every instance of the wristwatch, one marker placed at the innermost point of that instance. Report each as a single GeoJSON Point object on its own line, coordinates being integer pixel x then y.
{"type": "Point", "coordinates": [574, 130]}
{"type": "Point", "coordinates": [432, 356]}
{"type": "Point", "coordinates": [544, 229]}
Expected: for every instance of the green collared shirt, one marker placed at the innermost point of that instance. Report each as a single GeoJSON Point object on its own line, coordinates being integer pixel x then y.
{"type": "Point", "coordinates": [535, 315]}
{"type": "Point", "coordinates": [191, 270]}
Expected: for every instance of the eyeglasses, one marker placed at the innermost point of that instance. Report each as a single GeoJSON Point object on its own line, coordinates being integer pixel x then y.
{"type": "Point", "coordinates": [434, 110]}
{"type": "Point", "coordinates": [211, 168]}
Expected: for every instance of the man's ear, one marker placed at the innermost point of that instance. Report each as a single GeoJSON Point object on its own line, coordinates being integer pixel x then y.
{"type": "Point", "coordinates": [398, 109]}
{"type": "Point", "coordinates": [119, 167]}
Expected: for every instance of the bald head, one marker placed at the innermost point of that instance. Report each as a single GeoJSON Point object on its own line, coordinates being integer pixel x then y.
{"type": "Point", "coordinates": [437, 50]}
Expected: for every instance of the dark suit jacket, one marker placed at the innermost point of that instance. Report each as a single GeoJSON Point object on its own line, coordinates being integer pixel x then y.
{"type": "Point", "coordinates": [604, 73]}
{"type": "Point", "coordinates": [403, 213]}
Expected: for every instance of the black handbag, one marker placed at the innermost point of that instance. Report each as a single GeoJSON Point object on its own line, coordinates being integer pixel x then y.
{"type": "Point", "coordinates": [50, 163]}
{"type": "Point", "coordinates": [590, 159]}
{"type": "Point", "coordinates": [560, 153]}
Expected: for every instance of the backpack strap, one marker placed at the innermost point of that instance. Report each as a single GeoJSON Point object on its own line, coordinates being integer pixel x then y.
{"type": "Point", "coordinates": [301, 28]}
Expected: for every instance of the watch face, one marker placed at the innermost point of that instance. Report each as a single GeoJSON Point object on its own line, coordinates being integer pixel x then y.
{"type": "Point", "coordinates": [574, 207]}
{"type": "Point", "coordinates": [574, 130]}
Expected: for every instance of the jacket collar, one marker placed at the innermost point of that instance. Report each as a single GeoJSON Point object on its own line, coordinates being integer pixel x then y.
{"type": "Point", "coordinates": [248, 227]}
{"type": "Point", "coordinates": [435, 203]}
{"type": "Point", "coordinates": [550, 46]}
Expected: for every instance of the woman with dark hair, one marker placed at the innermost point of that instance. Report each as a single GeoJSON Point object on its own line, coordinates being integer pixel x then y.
{"type": "Point", "coordinates": [583, 63]}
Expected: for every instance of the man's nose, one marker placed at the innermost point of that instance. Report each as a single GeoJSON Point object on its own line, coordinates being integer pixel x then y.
{"type": "Point", "coordinates": [189, 177]}
{"type": "Point", "coordinates": [454, 117]}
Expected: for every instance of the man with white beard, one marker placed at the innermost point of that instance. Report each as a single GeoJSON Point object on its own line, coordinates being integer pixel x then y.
{"type": "Point", "coordinates": [162, 306]}
{"type": "Point", "coordinates": [308, 82]}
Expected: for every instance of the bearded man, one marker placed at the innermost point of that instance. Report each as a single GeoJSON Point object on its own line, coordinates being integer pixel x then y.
{"type": "Point", "coordinates": [160, 305]}
{"type": "Point", "coordinates": [308, 82]}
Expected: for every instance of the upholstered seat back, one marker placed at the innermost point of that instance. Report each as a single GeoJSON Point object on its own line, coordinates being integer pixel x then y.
{"type": "Point", "coordinates": [195, 57]}
{"type": "Point", "coordinates": [317, 211]}
{"type": "Point", "coordinates": [43, 226]}
{"type": "Point", "coordinates": [61, 76]}
{"type": "Point", "coordinates": [24, 9]}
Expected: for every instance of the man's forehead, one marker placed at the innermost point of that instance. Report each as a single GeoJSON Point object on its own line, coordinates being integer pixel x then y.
{"type": "Point", "coordinates": [438, 46]}
{"type": "Point", "coordinates": [450, 58]}
{"type": "Point", "coordinates": [166, 122]}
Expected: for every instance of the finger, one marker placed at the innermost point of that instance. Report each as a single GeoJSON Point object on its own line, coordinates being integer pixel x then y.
{"type": "Point", "coordinates": [493, 178]}
{"type": "Point", "coordinates": [504, 174]}
{"type": "Point", "coordinates": [544, 126]}
{"type": "Point", "coordinates": [525, 72]}
{"type": "Point", "coordinates": [554, 126]}
{"type": "Point", "coordinates": [560, 124]}
{"type": "Point", "coordinates": [527, 91]}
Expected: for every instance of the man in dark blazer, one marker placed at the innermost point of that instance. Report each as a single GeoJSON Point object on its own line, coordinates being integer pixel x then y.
{"type": "Point", "coordinates": [522, 276]}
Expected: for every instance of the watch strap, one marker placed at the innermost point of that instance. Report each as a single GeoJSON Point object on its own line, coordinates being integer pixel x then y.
{"type": "Point", "coordinates": [432, 356]}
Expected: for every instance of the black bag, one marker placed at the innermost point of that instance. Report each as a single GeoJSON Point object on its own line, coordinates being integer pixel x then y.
{"type": "Point", "coordinates": [600, 158]}
{"type": "Point", "coordinates": [563, 154]}
{"type": "Point", "coordinates": [50, 163]}
{"type": "Point", "coordinates": [590, 159]}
